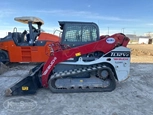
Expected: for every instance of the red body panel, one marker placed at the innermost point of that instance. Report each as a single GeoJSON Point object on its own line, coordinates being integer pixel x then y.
{"type": "Point", "coordinates": [64, 54]}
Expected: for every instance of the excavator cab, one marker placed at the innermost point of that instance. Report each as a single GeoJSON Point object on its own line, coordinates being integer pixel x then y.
{"type": "Point", "coordinates": [78, 33]}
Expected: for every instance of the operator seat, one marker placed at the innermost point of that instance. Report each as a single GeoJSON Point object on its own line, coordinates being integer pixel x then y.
{"type": "Point", "coordinates": [36, 32]}
{"type": "Point", "coordinates": [28, 37]}
{"type": "Point", "coordinates": [15, 36]}
{"type": "Point", "coordinates": [22, 36]}
{"type": "Point", "coordinates": [32, 37]}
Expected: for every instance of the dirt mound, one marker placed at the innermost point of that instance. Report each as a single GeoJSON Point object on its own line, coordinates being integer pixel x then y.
{"type": "Point", "coordinates": [141, 49]}
{"type": "Point", "coordinates": [3, 68]}
{"type": "Point", "coordinates": [141, 53]}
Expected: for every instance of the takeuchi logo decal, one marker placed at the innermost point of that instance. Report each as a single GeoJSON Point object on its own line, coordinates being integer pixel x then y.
{"type": "Point", "coordinates": [20, 104]}
{"type": "Point", "coordinates": [50, 65]}
{"type": "Point", "coordinates": [110, 40]}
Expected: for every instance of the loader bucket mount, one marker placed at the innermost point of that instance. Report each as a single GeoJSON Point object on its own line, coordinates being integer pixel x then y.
{"type": "Point", "coordinates": [28, 85]}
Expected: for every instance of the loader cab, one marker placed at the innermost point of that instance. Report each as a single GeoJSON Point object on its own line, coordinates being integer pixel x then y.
{"type": "Point", "coordinates": [78, 33]}
{"type": "Point", "coordinates": [31, 35]}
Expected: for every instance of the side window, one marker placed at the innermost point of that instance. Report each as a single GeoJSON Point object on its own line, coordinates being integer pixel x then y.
{"type": "Point", "coordinates": [89, 33]}
{"type": "Point", "coordinates": [73, 33]}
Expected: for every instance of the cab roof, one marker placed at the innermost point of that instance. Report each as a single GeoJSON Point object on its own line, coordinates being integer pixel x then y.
{"type": "Point", "coordinates": [62, 23]}
{"type": "Point", "coordinates": [26, 19]}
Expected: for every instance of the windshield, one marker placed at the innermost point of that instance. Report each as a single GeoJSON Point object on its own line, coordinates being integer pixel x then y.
{"type": "Point", "coordinates": [83, 33]}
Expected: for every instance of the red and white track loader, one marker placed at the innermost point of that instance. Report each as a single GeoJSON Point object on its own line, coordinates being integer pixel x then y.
{"type": "Point", "coordinates": [82, 61]}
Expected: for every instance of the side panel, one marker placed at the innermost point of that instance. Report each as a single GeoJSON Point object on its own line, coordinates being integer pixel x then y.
{"type": "Point", "coordinates": [48, 37]}
{"type": "Point", "coordinates": [121, 62]}
{"type": "Point", "coordinates": [119, 58]}
{"type": "Point", "coordinates": [29, 53]}
{"type": "Point", "coordinates": [26, 53]}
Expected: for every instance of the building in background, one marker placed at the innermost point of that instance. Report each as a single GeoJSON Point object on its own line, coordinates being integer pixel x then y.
{"type": "Point", "coordinates": [149, 34]}
{"type": "Point", "coordinates": [133, 38]}
{"type": "Point", "coordinates": [145, 40]}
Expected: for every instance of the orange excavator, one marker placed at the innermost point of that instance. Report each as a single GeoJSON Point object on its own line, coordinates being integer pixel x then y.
{"type": "Point", "coordinates": [27, 46]}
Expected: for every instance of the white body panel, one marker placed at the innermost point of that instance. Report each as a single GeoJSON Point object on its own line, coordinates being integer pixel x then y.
{"type": "Point", "coordinates": [120, 64]}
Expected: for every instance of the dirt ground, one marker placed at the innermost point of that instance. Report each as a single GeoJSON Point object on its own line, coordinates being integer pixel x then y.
{"type": "Point", "coordinates": [141, 53]}
{"type": "Point", "coordinates": [132, 97]}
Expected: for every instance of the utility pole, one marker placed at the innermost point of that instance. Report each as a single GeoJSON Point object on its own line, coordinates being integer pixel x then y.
{"type": "Point", "coordinates": [108, 30]}
{"type": "Point", "coordinates": [134, 34]}
{"type": "Point", "coordinates": [98, 22]}
{"type": "Point", "coordinates": [123, 30]}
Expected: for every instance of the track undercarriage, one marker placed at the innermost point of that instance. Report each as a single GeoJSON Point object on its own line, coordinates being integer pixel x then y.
{"type": "Point", "coordinates": [100, 78]}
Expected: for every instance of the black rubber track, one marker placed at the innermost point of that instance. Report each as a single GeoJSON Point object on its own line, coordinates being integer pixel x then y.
{"type": "Point", "coordinates": [111, 87]}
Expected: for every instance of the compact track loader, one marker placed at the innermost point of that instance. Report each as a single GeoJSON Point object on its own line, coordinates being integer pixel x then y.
{"type": "Point", "coordinates": [83, 61]}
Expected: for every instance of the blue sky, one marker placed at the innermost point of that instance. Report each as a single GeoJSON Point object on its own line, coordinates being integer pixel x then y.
{"type": "Point", "coordinates": [135, 16]}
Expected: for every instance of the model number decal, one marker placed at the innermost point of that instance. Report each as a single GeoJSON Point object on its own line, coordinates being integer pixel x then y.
{"type": "Point", "coordinates": [50, 65]}
{"type": "Point", "coordinates": [118, 54]}
{"type": "Point", "coordinates": [120, 58]}
{"type": "Point", "coordinates": [110, 40]}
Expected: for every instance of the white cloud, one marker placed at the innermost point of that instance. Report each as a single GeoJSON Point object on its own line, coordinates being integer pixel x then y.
{"type": "Point", "coordinates": [50, 29]}
{"type": "Point", "coordinates": [113, 31]}
{"type": "Point", "coordinates": [149, 24]}
{"type": "Point", "coordinates": [3, 33]}
{"type": "Point", "coordinates": [110, 31]}
{"type": "Point", "coordinates": [65, 12]}
{"type": "Point", "coordinates": [85, 14]}
{"type": "Point", "coordinates": [6, 12]}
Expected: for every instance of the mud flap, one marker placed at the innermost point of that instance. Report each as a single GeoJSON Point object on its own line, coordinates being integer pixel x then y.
{"type": "Point", "coordinates": [28, 85]}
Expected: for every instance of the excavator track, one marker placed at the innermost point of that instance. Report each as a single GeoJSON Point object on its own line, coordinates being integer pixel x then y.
{"type": "Point", "coordinates": [65, 82]}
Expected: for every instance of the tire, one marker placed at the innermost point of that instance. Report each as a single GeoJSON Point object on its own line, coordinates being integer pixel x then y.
{"type": "Point", "coordinates": [4, 57]}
